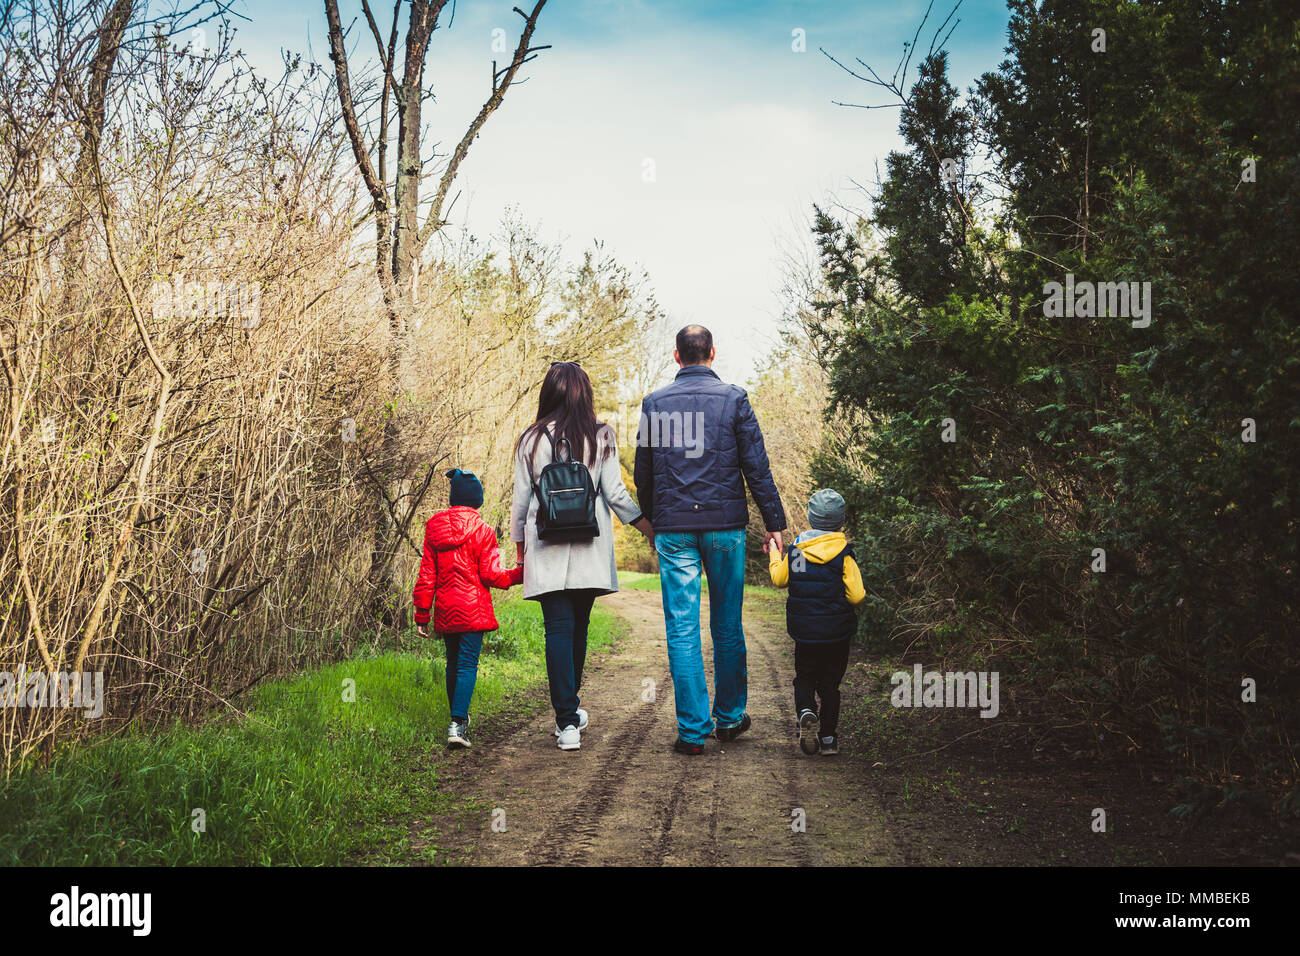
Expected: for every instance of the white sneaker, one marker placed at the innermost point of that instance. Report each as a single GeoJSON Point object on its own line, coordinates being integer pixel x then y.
{"type": "Point", "coordinates": [458, 735]}
{"type": "Point", "coordinates": [582, 722]}
{"type": "Point", "coordinates": [569, 738]}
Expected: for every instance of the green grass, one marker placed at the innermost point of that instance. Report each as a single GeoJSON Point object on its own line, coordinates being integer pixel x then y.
{"type": "Point", "coordinates": [638, 581]}
{"type": "Point", "coordinates": [311, 779]}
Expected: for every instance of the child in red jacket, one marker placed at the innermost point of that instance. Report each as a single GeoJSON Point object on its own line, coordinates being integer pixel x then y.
{"type": "Point", "coordinates": [461, 561]}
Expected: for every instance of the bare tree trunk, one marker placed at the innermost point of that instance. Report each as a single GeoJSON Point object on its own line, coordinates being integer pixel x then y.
{"type": "Point", "coordinates": [93, 109]}
{"type": "Point", "coordinates": [126, 530]}
{"type": "Point", "coordinates": [400, 241]}
{"type": "Point", "coordinates": [20, 483]}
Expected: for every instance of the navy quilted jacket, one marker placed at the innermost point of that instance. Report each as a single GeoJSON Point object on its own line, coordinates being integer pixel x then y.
{"type": "Point", "coordinates": [698, 445]}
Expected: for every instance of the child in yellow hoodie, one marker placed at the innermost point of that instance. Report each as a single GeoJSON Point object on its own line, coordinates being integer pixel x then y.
{"type": "Point", "coordinates": [825, 584]}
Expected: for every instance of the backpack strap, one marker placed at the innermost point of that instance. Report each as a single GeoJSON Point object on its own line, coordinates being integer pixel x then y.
{"type": "Point", "coordinates": [555, 456]}
{"type": "Point", "coordinates": [531, 480]}
{"type": "Point", "coordinates": [555, 446]}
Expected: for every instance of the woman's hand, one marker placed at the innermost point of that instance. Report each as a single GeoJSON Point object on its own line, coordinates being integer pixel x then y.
{"type": "Point", "coordinates": [519, 552]}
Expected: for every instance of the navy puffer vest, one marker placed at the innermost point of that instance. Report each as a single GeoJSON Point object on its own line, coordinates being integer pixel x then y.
{"type": "Point", "coordinates": [817, 610]}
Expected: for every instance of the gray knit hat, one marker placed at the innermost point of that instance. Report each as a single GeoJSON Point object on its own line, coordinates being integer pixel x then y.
{"type": "Point", "coordinates": [826, 510]}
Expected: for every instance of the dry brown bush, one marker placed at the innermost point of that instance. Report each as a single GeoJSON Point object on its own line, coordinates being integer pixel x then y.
{"type": "Point", "coordinates": [204, 476]}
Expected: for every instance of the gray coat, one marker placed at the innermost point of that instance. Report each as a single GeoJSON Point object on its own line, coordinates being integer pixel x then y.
{"type": "Point", "coordinates": [564, 565]}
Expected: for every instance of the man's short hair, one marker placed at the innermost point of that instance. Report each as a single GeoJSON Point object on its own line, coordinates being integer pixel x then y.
{"type": "Point", "coordinates": [694, 343]}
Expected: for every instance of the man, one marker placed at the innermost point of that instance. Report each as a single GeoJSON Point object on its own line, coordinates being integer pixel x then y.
{"type": "Point", "coordinates": [698, 446]}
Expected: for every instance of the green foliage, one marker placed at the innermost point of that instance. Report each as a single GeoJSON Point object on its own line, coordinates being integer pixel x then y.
{"type": "Point", "coordinates": [1074, 434]}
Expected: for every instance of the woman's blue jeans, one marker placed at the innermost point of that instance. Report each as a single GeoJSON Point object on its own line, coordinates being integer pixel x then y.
{"type": "Point", "coordinates": [566, 615]}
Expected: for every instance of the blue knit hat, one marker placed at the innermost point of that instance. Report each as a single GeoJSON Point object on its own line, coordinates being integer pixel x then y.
{"type": "Point", "coordinates": [466, 489]}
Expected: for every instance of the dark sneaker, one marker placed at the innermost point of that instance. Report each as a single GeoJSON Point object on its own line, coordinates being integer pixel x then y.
{"type": "Point", "coordinates": [731, 733]}
{"type": "Point", "coordinates": [809, 727]}
{"type": "Point", "coordinates": [691, 750]}
{"type": "Point", "coordinates": [830, 745]}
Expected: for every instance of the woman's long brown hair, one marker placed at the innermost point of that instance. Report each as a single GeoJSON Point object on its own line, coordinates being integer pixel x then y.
{"type": "Point", "coordinates": [566, 403]}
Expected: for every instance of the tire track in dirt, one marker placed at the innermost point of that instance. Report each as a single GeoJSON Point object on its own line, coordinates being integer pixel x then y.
{"type": "Point", "coordinates": [666, 815]}
{"type": "Point", "coordinates": [792, 785]}
{"type": "Point", "coordinates": [572, 832]}
{"type": "Point", "coordinates": [845, 822]}
{"type": "Point", "coordinates": [626, 799]}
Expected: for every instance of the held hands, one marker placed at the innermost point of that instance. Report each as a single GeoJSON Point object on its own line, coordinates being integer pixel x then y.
{"type": "Point", "coordinates": [643, 525]}
{"type": "Point", "coordinates": [772, 542]}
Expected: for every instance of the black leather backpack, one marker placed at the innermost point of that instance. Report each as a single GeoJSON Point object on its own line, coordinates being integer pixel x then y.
{"type": "Point", "coordinates": [566, 497]}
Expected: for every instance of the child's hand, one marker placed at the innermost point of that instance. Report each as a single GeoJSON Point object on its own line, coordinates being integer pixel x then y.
{"type": "Point", "coordinates": [422, 630]}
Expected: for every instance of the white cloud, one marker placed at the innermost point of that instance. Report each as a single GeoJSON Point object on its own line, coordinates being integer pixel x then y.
{"type": "Point", "coordinates": [741, 131]}
{"type": "Point", "coordinates": [735, 163]}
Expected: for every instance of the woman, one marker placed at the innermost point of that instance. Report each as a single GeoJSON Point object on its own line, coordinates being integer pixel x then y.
{"type": "Point", "coordinates": [566, 577]}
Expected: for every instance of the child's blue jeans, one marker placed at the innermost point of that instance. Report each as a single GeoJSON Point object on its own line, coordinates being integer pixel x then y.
{"type": "Point", "coordinates": [462, 671]}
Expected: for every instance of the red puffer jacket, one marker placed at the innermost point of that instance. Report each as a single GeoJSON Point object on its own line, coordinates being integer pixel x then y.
{"type": "Point", "coordinates": [461, 561]}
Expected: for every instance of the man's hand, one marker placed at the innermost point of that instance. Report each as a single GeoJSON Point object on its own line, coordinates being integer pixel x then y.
{"type": "Point", "coordinates": [773, 539]}
{"type": "Point", "coordinates": [422, 630]}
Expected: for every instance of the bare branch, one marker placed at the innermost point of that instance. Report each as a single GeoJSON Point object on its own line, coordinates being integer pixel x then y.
{"type": "Point", "coordinates": [362, 155]}
{"type": "Point", "coordinates": [522, 56]}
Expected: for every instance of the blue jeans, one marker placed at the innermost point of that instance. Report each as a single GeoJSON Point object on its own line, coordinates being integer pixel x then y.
{"type": "Point", "coordinates": [565, 616]}
{"type": "Point", "coordinates": [462, 671]}
{"type": "Point", "coordinates": [721, 554]}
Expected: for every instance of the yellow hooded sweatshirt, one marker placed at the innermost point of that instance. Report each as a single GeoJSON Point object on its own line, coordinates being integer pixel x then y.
{"type": "Point", "coordinates": [819, 550]}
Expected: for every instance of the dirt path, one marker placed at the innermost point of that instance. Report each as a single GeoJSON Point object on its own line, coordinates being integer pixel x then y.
{"type": "Point", "coordinates": [626, 798]}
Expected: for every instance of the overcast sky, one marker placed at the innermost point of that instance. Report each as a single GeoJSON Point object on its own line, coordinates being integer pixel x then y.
{"type": "Point", "coordinates": [741, 129]}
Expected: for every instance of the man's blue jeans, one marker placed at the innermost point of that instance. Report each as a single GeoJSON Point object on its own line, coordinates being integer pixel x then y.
{"type": "Point", "coordinates": [721, 554]}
